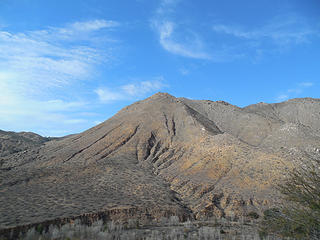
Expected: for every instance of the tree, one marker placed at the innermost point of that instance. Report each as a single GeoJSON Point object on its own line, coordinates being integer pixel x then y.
{"type": "Point", "coordinates": [299, 216]}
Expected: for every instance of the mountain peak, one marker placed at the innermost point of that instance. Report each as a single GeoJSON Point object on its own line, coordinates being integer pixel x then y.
{"type": "Point", "coordinates": [162, 95]}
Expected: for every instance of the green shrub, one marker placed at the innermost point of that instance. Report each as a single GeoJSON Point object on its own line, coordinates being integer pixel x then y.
{"type": "Point", "coordinates": [39, 228]}
{"type": "Point", "coordinates": [299, 217]}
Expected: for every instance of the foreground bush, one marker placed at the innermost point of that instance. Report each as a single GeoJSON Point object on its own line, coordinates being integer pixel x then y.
{"type": "Point", "coordinates": [299, 218]}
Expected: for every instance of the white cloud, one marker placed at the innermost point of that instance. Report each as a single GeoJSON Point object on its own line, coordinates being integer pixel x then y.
{"type": "Point", "coordinates": [86, 30]}
{"type": "Point", "coordinates": [52, 56]}
{"type": "Point", "coordinates": [184, 71]}
{"type": "Point", "coordinates": [166, 7]}
{"type": "Point", "coordinates": [274, 37]}
{"type": "Point", "coordinates": [168, 2]}
{"type": "Point", "coordinates": [97, 122]}
{"type": "Point", "coordinates": [281, 30]}
{"type": "Point", "coordinates": [294, 92]}
{"type": "Point", "coordinates": [93, 25]}
{"type": "Point", "coordinates": [143, 87]}
{"type": "Point", "coordinates": [106, 95]}
{"type": "Point", "coordinates": [306, 84]}
{"type": "Point", "coordinates": [75, 121]}
{"type": "Point", "coordinates": [37, 69]}
{"type": "Point", "coordinates": [191, 49]}
{"type": "Point", "coordinates": [19, 113]}
{"type": "Point", "coordinates": [282, 97]}
{"type": "Point", "coordinates": [175, 39]}
{"type": "Point", "coordinates": [13, 105]}
{"type": "Point", "coordinates": [130, 91]}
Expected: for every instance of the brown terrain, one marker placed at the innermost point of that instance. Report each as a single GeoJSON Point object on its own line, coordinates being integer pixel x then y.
{"type": "Point", "coordinates": [11, 142]}
{"type": "Point", "coordinates": [156, 158]}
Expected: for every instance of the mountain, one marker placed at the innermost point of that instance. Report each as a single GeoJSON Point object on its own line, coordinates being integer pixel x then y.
{"type": "Point", "coordinates": [11, 142]}
{"type": "Point", "coordinates": [159, 157]}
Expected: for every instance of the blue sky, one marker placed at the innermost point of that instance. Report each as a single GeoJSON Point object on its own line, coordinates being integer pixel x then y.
{"type": "Point", "coordinates": [67, 65]}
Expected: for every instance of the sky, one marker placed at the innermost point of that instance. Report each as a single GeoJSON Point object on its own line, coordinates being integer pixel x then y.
{"type": "Point", "coordinates": [67, 65]}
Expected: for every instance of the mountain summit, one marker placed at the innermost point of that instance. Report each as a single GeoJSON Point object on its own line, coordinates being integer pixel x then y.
{"type": "Point", "coordinates": [161, 156]}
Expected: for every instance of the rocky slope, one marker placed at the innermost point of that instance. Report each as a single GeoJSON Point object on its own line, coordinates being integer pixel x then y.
{"type": "Point", "coordinates": [159, 157]}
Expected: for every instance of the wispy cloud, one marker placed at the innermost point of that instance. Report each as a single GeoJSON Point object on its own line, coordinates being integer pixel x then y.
{"type": "Point", "coordinates": [279, 34]}
{"type": "Point", "coordinates": [14, 106]}
{"type": "Point", "coordinates": [294, 92]}
{"type": "Point", "coordinates": [282, 97]}
{"type": "Point", "coordinates": [174, 38]}
{"type": "Point", "coordinates": [44, 117]}
{"type": "Point", "coordinates": [193, 48]}
{"type": "Point", "coordinates": [184, 71]}
{"type": "Point", "coordinates": [229, 41]}
{"type": "Point", "coordinates": [306, 84]}
{"type": "Point", "coordinates": [36, 65]}
{"type": "Point", "coordinates": [144, 87]}
{"type": "Point", "coordinates": [177, 37]}
{"type": "Point", "coordinates": [130, 91]}
{"type": "Point", "coordinates": [166, 7]}
{"type": "Point", "coordinates": [281, 31]}
{"type": "Point", "coordinates": [75, 31]}
{"type": "Point", "coordinates": [93, 25]}
{"type": "Point", "coordinates": [52, 56]}
{"type": "Point", "coordinates": [107, 95]}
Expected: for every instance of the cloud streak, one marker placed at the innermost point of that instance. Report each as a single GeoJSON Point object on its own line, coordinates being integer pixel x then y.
{"type": "Point", "coordinates": [53, 56]}
{"type": "Point", "coordinates": [44, 117]}
{"type": "Point", "coordinates": [130, 91]}
{"type": "Point", "coordinates": [38, 67]}
{"type": "Point", "coordinates": [190, 49]}
{"type": "Point", "coordinates": [280, 31]}
{"type": "Point", "coordinates": [229, 42]}
{"type": "Point", "coordinates": [174, 39]}
{"type": "Point", "coordinates": [294, 92]}
{"type": "Point", "coordinates": [93, 25]}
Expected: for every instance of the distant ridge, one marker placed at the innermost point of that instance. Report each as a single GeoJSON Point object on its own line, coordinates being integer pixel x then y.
{"type": "Point", "coordinates": [11, 142]}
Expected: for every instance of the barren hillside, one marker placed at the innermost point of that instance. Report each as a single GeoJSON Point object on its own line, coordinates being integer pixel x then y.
{"type": "Point", "coordinates": [159, 157]}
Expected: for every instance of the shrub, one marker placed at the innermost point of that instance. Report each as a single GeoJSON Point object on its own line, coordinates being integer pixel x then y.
{"type": "Point", "coordinates": [133, 223]}
{"type": "Point", "coordinates": [39, 228]}
{"type": "Point", "coordinates": [253, 215]}
{"type": "Point", "coordinates": [299, 217]}
{"type": "Point", "coordinates": [174, 220]}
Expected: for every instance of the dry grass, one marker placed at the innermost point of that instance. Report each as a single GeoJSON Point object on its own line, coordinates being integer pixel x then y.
{"type": "Point", "coordinates": [166, 229]}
